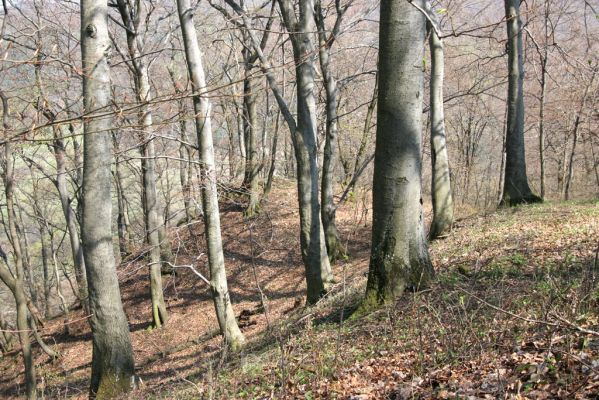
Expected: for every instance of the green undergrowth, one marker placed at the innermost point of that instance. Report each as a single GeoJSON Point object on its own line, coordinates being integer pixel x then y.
{"type": "Point", "coordinates": [514, 311]}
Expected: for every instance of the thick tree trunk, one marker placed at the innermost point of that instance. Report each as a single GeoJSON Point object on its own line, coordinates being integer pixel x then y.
{"type": "Point", "coordinates": [441, 184]}
{"type": "Point", "coordinates": [515, 189]}
{"type": "Point", "coordinates": [218, 277]}
{"type": "Point", "coordinates": [399, 255]}
{"type": "Point", "coordinates": [112, 357]}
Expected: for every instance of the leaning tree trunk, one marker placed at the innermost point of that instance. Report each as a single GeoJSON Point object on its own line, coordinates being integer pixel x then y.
{"type": "Point", "coordinates": [441, 183]}
{"type": "Point", "coordinates": [218, 277]}
{"type": "Point", "coordinates": [112, 358]}
{"type": "Point", "coordinates": [515, 189]}
{"type": "Point", "coordinates": [399, 257]}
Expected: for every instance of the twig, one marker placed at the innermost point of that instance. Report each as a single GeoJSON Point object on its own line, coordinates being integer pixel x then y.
{"type": "Point", "coordinates": [573, 325]}
{"type": "Point", "coordinates": [192, 268]}
{"type": "Point", "coordinates": [564, 321]}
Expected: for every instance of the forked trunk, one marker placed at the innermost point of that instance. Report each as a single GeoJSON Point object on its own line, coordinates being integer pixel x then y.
{"type": "Point", "coordinates": [218, 277]}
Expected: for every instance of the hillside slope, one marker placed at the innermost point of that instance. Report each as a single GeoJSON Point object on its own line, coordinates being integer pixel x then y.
{"type": "Point", "coordinates": [513, 312]}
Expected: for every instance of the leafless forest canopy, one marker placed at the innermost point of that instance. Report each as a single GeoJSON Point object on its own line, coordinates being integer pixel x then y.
{"type": "Point", "coordinates": [274, 76]}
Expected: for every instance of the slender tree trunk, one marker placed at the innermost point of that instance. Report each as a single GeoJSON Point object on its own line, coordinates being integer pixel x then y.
{"type": "Point", "coordinates": [61, 184]}
{"type": "Point", "coordinates": [516, 189]}
{"type": "Point", "coordinates": [112, 357]}
{"type": "Point", "coordinates": [312, 238]}
{"type": "Point", "coordinates": [16, 283]}
{"type": "Point", "coordinates": [131, 17]}
{"type": "Point", "coordinates": [335, 248]}
{"type": "Point", "coordinates": [399, 255]}
{"type": "Point", "coordinates": [441, 181]}
{"type": "Point", "coordinates": [218, 278]}
{"type": "Point", "coordinates": [70, 218]}
{"type": "Point", "coordinates": [250, 128]}
{"type": "Point", "coordinates": [544, 58]}
{"type": "Point", "coordinates": [122, 220]}
{"type": "Point", "coordinates": [570, 171]}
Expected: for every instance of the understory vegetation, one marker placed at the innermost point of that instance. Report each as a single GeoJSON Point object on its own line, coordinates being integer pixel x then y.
{"type": "Point", "coordinates": [513, 313]}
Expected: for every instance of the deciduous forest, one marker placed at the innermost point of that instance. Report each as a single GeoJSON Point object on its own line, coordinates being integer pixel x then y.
{"type": "Point", "coordinates": [299, 199]}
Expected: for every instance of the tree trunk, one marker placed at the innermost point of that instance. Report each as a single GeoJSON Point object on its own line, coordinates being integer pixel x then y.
{"type": "Point", "coordinates": [250, 128]}
{"type": "Point", "coordinates": [441, 181]}
{"type": "Point", "coordinates": [516, 189]}
{"type": "Point", "coordinates": [335, 249]}
{"type": "Point", "coordinates": [70, 218]}
{"type": "Point", "coordinates": [122, 220]}
{"type": "Point", "coordinates": [16, 283]}
{"type": "Point", "coordinates": [130, 16]}
{"type": "Point", "coordinates": [312, 238]}
{"type": "Point", "coordinates": [112, 357]}
{"type": "Point", "coordinates": [399, 257]}
{"type": "Point", "coordinates": [218, 278]}
{"type": "Point", "coordinates": [570, 173]}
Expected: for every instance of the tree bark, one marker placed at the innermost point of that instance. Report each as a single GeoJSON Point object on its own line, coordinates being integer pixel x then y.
{"type": "Point", "coordinates": [441, 181]}
{"type": "Point", "coordinates": [112, 357]}
{"type": "Point", "coordinates": [335, 248]}
{"type": "Point", "coordinates": [516, 189]}
{"type": "Point", "coordinates": [218, 278]}
{"type": "Point", "coordinates": [399, 254]}
{"type": "Point", "coordinates": [131, 17]}
{"type": "Point", "coordinates": [16, 283]}
{"type": "Point", "coordinates": [312, 238]}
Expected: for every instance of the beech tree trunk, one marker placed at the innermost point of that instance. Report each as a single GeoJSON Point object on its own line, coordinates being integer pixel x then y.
{"type": "Point", "coordinates": [312, 237]}
{"type": "Point", "coordinates": [515, 188]}
{"type": "Point", "coordinates": [218, 277]}
{"type": "Point", "coordinates": [399, 257]}
{"type": "Point", "coordinates": [131, 17]}
{"type": "Point", "coordinates": [335, 249]}
{"type": "Point", "coordinates": [112, 357]}
{"type": "Point", "coordinates": [441, 183]}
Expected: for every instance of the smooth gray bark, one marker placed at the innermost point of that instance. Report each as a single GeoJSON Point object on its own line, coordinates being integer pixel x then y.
{"type": "Point", "coordinates": [303, 135]}
{"type": "Point", "coordinates": [312, 236]}
{"type": "Point", "coordinates": [399, 254]}
{"type": "Point", "coordinates": [335, 248]}
{"type": "Point", "coordinates": [131, 18]}
{"type": "Point", "coordinates": [441, 183]}
{"type": "Point", "coordinates": [515, 189]}
{"type": "Point", "coordinates": [218, 277]}
{"type": "Point", "coordinates": [112, 357]}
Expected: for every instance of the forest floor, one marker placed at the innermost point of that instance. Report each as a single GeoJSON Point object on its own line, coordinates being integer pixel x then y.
{"type": "Point", "coordinates": [513, 313]}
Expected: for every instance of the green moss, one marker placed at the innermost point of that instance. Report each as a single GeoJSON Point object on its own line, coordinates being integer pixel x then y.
{"type": "Point", "coordinates": [113, 385]}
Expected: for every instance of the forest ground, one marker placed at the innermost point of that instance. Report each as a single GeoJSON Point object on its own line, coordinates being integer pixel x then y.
{"type": "Point", "coordinates": [513, 313]}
